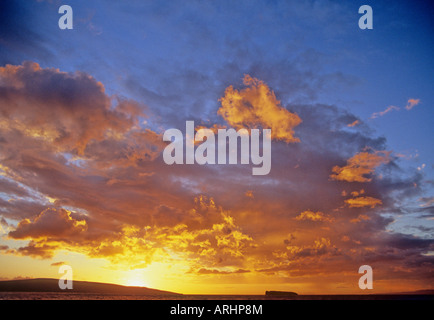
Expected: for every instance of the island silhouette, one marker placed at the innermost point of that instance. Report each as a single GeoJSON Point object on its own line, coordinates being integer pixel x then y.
{"type": "Point", "coordinates": [52, 285]}
{"type": "Point", "coordinates": [280, 293]}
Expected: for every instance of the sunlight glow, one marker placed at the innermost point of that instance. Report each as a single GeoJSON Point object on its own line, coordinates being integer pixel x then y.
{"type": "Point", "coordinates": [135, 278]}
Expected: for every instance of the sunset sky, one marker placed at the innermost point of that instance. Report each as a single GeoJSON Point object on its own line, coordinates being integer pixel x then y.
{"type": "Point", "coordinates": [82, 118]}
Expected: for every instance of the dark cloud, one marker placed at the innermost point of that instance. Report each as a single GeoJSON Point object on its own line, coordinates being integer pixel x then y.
{"type": "Point", "coordinates": [20, 209]}
{"type": "Point", "coordinates": [428, 212]}
{"type": "Point", "coordinates": [51, 223]}
{"type": "Point", "coordinates": [11, 187]}
{"type": "Point", "coordinates": [406, 242]}
{"type": "Point", "coordinates": [35, 250]}
{"type": "Point", "coordinates": [68, 110]}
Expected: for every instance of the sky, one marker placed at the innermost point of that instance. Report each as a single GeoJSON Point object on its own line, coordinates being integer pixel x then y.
{"type": "Point", "coordinates": [83, 112]}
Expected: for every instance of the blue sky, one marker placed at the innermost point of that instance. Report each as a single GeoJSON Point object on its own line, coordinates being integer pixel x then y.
{"type": "Point", "coordinates": [141, 49]}
{"type": "Point", "coordinates": [155, 52]}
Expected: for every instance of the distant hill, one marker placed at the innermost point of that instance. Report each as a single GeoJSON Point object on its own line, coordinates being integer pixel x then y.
{"type": "Point", "coordinates": [52, 285]}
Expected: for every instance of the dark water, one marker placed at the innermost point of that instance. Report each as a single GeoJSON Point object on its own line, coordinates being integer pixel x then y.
{"type": "Point", "coordinates": [96, 296]}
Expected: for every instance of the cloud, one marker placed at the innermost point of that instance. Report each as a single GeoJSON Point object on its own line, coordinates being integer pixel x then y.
{"type": "Point", "coordinates": [35, 249]}
{"type": "Point", "coordinates": [18, 209]}
{"type": "Point", "coordinates": [107, 194]}
{"type": "Point", "coordinates": [426, 201]}
{"type": "Point", "coordinates": [210, 235]}
{"type": "Point", "coordinates": [58, 263]}
{"type": "Point", "coordinates": [360, 218]}
{"type": "Point", "coordinates": [382, 113]}
{"type": "Point", "coordinates": [411, 103]}
{"type": "Point", "coordinates": [257, 106]}
{"type": "Point", "coordinates": [70, 111]}
{"type": "Point", "coordinates": [11, 187]}
{"type": "Point", "coordinates": [313, 216]}
{"type": "Point", "coordinates": [359, 202]}
{"type": "Point", "coordinates": [353, 124]}
{"type": "Point", "coordinates": [50, 223]}
{"type": "Point", "coordinates": [320, 246]}
{"type": "Point", "coordinates": [216, 271]}
{"type": "Point", "coordinates": [360, 165]}
{"type": "Point", "coordinates": [357, 193]}
{"type": "Point", "coordinates": [4, 226]}
{"type": "Point", "coordinates": [249, 194]}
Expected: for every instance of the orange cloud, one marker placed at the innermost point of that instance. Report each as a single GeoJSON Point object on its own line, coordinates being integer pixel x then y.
{"type": "Point", "coordinates": [359, 165]}
{"type": "Point", "coordinates": [256, 106]}
{"type": "Point", "coordinates": [357, 193]}
{"type": "Point", "coordinates": [74, 120]}
{"type": "Point", "coordinates": [209, 235]}
{"type": "Point", "coordinates": [320, 246]}
{"type": "Point", "coordinates": [412, 103]}
{"type": "Point", "coordinates": [71, 112]}
{"type": "Point", "coordinates": [249, 194]}
{"type": "Point", "coordinates": [360, 218]}
{"type": "Point", "coordinates": [313, 216]}
{"type": "Point", "coordinates": [353, 124]}
{"type": "Point", "coordinates": [214, 128]}
{"type": "Point", "coordinates": [124, 206]}
{"type": "Point", "coordinates": [382, 113]}
{"type": "Point", "coordinates": [360, 202]}
{"type": "Point", "coordinates": [216, 271]}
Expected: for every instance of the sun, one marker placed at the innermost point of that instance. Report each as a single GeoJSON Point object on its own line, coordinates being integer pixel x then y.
{"type": "Point", "coordinates": [135, 283]}
{"type": "Point", "coordinates": [135, 278]}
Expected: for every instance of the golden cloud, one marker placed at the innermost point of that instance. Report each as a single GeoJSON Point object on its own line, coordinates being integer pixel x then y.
{"type": "Point", "coordinates": [359, 165]}
{"type": "Point", "coordinates": [255, 106]}
{"type": "Point", "coordinates": [210, 236]}
{"type": "Point", "coordinates": [360, 218]}
{"type": "Point", "coordinates": [319, 247]}
{"type": "Point", "coordinates": [216, 240]}
{"type": "Point", "coordinates": [360, 202]}
{"type": "Point", "coordinates": [357, 193]}
{"type": "Point", "coordinates": [217, 271]}
{"type": "Point", "coordinates": [313, 216]}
